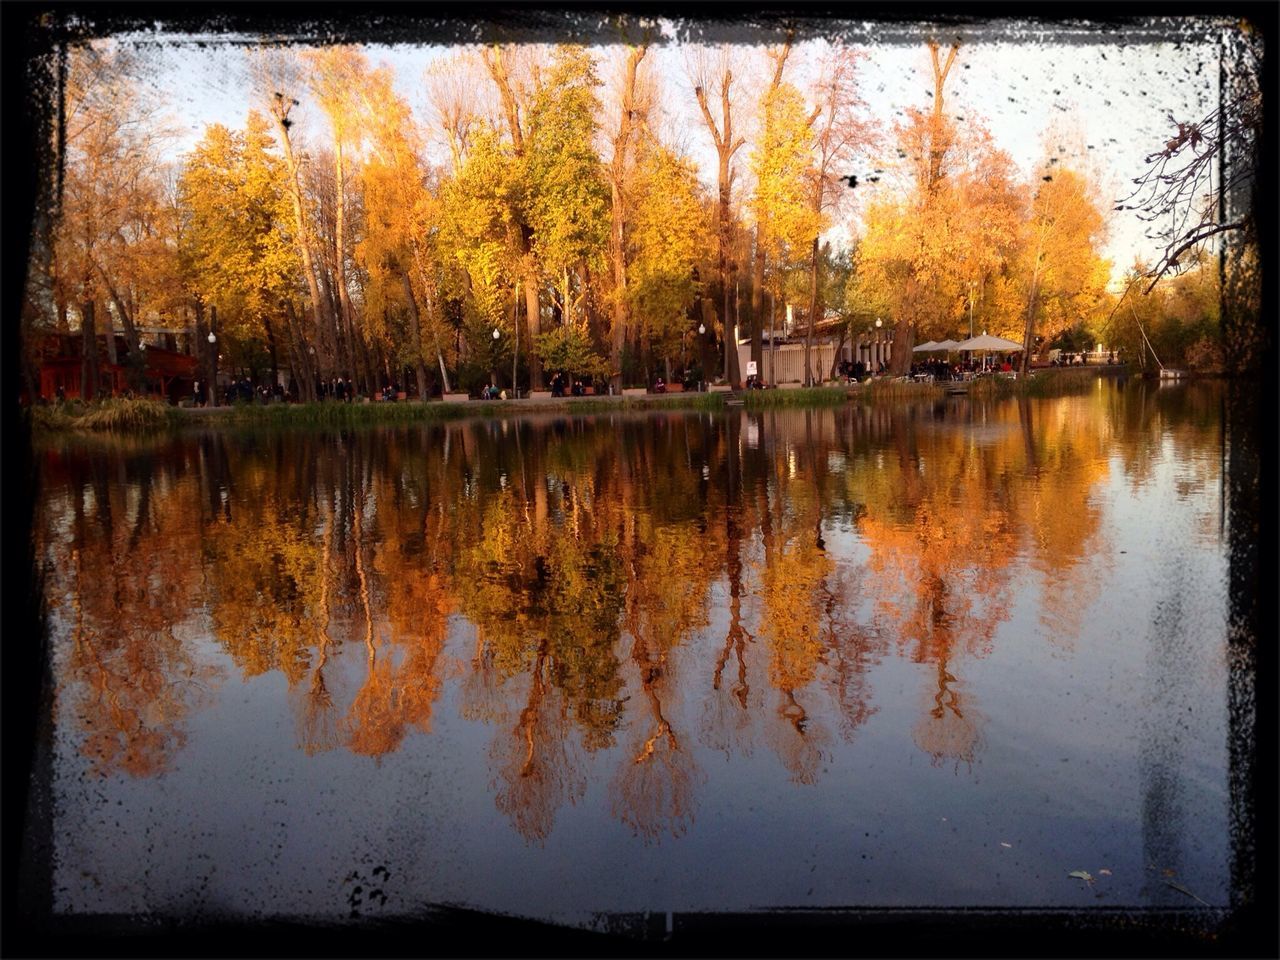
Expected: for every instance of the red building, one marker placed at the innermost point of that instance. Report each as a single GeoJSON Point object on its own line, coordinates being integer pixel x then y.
{"type": "Point", "coordinates": [166, 373]}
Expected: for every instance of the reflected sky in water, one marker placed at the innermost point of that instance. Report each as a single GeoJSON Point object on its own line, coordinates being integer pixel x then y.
{"type": "Point", "coordinates": [932, 655]}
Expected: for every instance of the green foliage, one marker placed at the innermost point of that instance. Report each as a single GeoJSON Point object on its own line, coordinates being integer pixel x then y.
{"type": "Point", "coordinates": [567, 199]}
{"type": "Point", "coordinates": [669, 233]}
{"type": "Point", "coordinates": [237, 242]}
{"type": "Point", "coordinates": [568, 348]}
{"type": "Point", "coordinates": [785, 178]}
{"type": "Point", "coordinates": [475, 231]}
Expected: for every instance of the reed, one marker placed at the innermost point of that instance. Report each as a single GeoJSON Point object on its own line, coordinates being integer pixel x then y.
{"type": "Point", "coordinates": [885, 390]}
{"type": "Point", "coordinates": [804, 397]}
{"type": "Point", "coordinates": [118, 414]}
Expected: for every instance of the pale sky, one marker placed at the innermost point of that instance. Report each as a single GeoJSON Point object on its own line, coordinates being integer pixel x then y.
{"type": "Point", "coordinates": [1117, 96]}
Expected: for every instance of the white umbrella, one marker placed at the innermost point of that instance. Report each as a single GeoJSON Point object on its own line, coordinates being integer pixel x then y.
{"type": "Point", "coordinates": [925, 347]}
{"type": "Point", "coordinates": [989, 343]}
{"type": "Point", "coordinates": [947, 345]}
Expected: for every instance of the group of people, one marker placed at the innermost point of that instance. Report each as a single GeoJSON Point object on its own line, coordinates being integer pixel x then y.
{"type": "Point", "coordinates": [491, 392]}
{"type": "Point", "coordinates": [560, 383]}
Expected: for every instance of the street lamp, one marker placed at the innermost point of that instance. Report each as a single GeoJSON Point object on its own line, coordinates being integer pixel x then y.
{"type": "Point", "coordinates": [495, 333]}
{"type": "Point", "coordinates": [702, 329]}
{"type": "Point", "coordinates": [213, 382]}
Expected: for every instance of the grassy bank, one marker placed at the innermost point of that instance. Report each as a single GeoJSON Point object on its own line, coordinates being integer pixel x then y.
{"type": "Point", "coordinates": [150, 416]}
{"type": "Point", "coordinates": [143, 415]}
{"type": "Point", "coordinates": [119, 415]}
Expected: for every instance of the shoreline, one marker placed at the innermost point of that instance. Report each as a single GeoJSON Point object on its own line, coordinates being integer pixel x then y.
{"type": "Point", "coordinates": [140, 415]}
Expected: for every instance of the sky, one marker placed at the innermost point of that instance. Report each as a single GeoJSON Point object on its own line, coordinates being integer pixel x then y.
{"type": "Point", "coordinates": [1026, 88]}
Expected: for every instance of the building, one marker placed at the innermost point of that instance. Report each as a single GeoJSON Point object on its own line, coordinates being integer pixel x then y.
{"type": "Point", "coordinates": [60, 358]}
{"type": "Point", "coordinates": [832, 341]}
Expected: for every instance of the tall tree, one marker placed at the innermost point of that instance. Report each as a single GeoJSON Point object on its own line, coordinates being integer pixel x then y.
{"type": "Point", "coordinates": [784, 173]}
{"type": "Point", "coordinates": [1067, 277]}
{"type": "Point", "coordinates": [237, 238]}
{"type": "Point", "coordinates": [567, 205]}
{"type": "Point", "coordinates": [275, 77]}
{"type": "Point", "coordinates": [839, 134]}
{"type": "Point", "coordinates": [669, 231]}
{"type": "Point", "coordinates": [632, 94]}
{"type": "Point", "coordinates": [515, 75]}
{"type": "Point", "coordinates": [713, 77]}
{"type": "Point", "coordinates": [928, 139]}
{"type": "Point", "coordinates": [334, 74]}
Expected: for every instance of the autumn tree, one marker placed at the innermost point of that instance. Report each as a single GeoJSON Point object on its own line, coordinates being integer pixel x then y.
{"type": "Point", "coordinates": [1067, 278]}
{"type": "Point", "coordinates": [915, 254]}
{"type": "Point", "coordinates": [712, 74]}
{"type": "Point", "coordinates": [514, 72]}
{"type": "Point", "coordinates": [668, 232]}
{"type": "Point", "coordinates": [237, 243]}
{"type": "Point", "coordinates": [838, 134]}
{"type": "Point", "coordinates": [631, 98]}
{"type": "Point", "coordinates": [568, 200]}
{"type": "Point", "coordinates": [110, 197]}
{"type": "Point", "coordinates": [783, 203]}
{"type": "Point", "coordinates": [401, 219]}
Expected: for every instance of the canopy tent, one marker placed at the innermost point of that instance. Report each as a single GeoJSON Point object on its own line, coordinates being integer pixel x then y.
{"type": "Point", "coordinates": [937, 347]}
{"type": "Point", "coordinates": [989, 344]}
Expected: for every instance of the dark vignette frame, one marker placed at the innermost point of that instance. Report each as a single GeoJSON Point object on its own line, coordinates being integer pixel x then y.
{"type": "Point", "coordinates": [32, 31]}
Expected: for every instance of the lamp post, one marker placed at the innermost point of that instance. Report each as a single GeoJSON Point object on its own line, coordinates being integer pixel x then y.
{"type": "Point", "coordinates": [213, 364]}
{"type": "Point", "coordinates": [497, 335]}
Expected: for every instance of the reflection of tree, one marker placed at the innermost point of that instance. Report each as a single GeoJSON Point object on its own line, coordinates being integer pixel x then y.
{"type": "Point", "coordinates": [950, 729]}
{"type": "Point", "coordinates": [587, 576]}
{"type": "Point", "coordinates": [652, 790]}
{"type": "Point", "coordinates": [537, 769]}
{"type": "Point", "coordinates": [316, 724]}
{"type": "Point", "coordinates": [130, 680]}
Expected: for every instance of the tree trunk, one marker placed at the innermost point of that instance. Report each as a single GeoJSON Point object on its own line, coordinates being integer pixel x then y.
{"type": "Point", "coordinates": [415, 335]}
{"type": "Point", "coordinates": [731, 372]}
{"type": "Point", "coordinates": [272, 351]}
{"type": "Point", "coordinates": [135, 363]}
{"type": "Point", "coordinates": [757, 304]}
{"type": "Point", "coordinates": [1030, 328]}
{"type": "Point", "coordinates": [903, 343]}
{"type": "Point", "coordinates": [835, 357]}
{"type": "Point", "coordinates": [618, 254]}
{"type": "Point", "coordinates": [109, 331]}
{"type": "Point", "coordinates": [356, 358]}
{"type": "Point", "coordinates": [300, 222]}
{"type": "Point", "coordinates": [89, 355]}
{"type": "Point", "coordinates": [813, 310]}
{"type": "Point", "coordinates": [533, 327]}
{"type": "Point", "coordinates": [213, 358]}
{"type": "Point", "coordinates": [617, 250]}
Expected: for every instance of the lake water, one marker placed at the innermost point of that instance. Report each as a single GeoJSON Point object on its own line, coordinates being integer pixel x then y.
{"type": "Point", "coordinates": [936, 655]}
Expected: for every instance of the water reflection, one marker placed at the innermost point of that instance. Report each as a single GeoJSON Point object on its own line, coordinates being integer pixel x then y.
{"type": "Point", "coordinates": [581, 583]}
